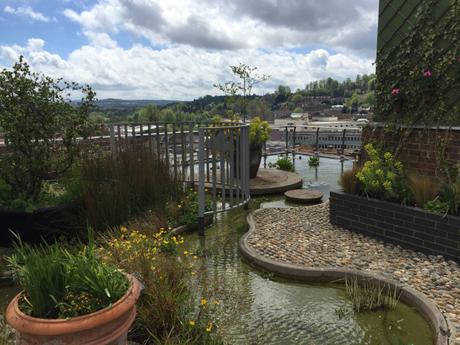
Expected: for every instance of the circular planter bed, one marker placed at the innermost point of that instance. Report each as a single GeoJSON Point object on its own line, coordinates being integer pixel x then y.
{"type": "Point", "coordinates": [47, 223]}
{"type": "Point", "coordinates": [108, 326]}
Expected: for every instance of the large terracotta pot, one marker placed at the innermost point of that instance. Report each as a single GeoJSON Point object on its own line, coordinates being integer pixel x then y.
{"type": "Point", "coordinates": [108, 326]}
{"type": "Point", "coordinates": [255, 156]}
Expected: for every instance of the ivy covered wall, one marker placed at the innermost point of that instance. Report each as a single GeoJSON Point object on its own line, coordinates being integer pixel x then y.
{"type": "Point", "coordinates": [418, 62]}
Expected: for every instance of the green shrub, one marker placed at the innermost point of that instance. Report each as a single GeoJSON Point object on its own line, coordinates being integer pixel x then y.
{"type": "Point", "coordinates": [284, 164]}
{"type": "Point", "coordinates": [437, 206]}
{"type": "Point", "coordinates": [185, 212]}
{"type": "Point", "coordinates": [349, 182]}
{"type": "Point", "coordinates": [382, 176]}
{"type": "Point", "coordinates": [41, 126]}
{"type": "Point", "coordinates": [259, 131]}
{"type": "Point", "coordinates": [313, 161]}
{"type": "Point", "coordinates": [115, 189]}
{"type": "Point", "coordinates": [55, 280]}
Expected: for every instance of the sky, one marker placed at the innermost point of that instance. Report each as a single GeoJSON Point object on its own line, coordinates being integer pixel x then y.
{"type": "Point", "coordinates": [178, 49]}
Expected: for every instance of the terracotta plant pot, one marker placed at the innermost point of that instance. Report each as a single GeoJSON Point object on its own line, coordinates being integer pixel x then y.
{"type": "Point", "coordinates": [108, 326]}
{"type": "Point", "coordinates": [255, 156]}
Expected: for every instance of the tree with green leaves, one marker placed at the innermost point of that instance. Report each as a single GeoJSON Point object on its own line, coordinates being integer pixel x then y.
{"type": "Point", "coordinates": [248, 78]}
{"type": "Point", "coordinates": [41, 127]}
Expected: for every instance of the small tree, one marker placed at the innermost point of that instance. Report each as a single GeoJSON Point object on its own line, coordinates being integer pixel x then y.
{"type": "Point", "coordinates": [40, 126]}
{"type": "Point", "coordinates": [248, 78]}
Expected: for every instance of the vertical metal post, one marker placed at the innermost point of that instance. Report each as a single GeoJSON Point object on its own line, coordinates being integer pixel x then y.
{"type": "Point", "coordinates": [343, 141]}
{"type": "Point", "coordinates": [113, 145]}
{"type": "Point", "coordinates": [157, 130]}
{"type": "Point", "coordinates": [191, 153]}
{"type": "Point", "coordinates": [287, 140]}
{"type": "Point", "coordinates": [294, 139]}
{"type": "Point", "coordinates": [201, 196]}
{"type": "Point", "coordinates": [246, 163]}
{"type": "Point", "coordinates": [317, 141]}
{"type": "Point", "coordinates": [174, 151]}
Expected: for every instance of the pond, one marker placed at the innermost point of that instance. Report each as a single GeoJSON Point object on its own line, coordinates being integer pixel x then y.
{"type": "Point", "coordinates": [259, 309]}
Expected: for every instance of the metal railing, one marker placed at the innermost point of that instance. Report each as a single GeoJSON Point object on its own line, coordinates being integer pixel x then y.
{"type": "Point", "coordinates": [202, 155]}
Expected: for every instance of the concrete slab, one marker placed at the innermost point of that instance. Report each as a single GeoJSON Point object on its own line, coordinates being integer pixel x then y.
{"type": "Point", "coordinates": [305, 196]}
{"type": "Point", "coordinates": [274, 181]}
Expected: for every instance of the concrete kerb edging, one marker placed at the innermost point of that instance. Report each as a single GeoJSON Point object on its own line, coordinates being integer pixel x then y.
{"type": "Point", "coordinates": [408, 295]}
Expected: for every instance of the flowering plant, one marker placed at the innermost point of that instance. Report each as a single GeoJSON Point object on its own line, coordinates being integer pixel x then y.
{"type": "Point", "coordinates": [382, 176]}
{"type": "Point", "coordinates": [427, 81]}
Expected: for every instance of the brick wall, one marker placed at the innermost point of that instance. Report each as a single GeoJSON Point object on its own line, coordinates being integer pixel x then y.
{"type": "Point", "coordinates": [407, 226]}
{"type": "Point", "coordinates": [419, 151]}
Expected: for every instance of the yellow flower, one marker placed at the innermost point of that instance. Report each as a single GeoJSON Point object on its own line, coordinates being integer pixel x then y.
{"type": "Point", "coordinates": [192, 323]}
{"type": "Point", "coordinates": [209, 327]}
{"type": "Point", "coordinates": [185, 252]}
{"type": "Point", "coordinates": [216, 302]}
{"type": "Point", "coordinates": [203, 301]}
{"type": "Point", "coordinates": [193, 273]}
{"type": "Point", "coordinates": [195, 257]}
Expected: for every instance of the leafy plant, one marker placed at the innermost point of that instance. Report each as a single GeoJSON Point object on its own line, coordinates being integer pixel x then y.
{"type": "Point", "coordinates": [40, 126]}
{"type": "Point", "coordinates": [437, 206]}
{"type": "Point", "coordinates": [259, 131]}
{"type": "Point", "coordinates": [368, 295]}
{"type": "Point", "coordinates": [382, 176]}
{"type": "Point", "coordinates": [284, 164]}
{"type": "Point", "coordinates": [313, 161]}
{"type": "Point", "coordinates": [349, 182]}
{"type": "Point", "coordinates": [55, 280]}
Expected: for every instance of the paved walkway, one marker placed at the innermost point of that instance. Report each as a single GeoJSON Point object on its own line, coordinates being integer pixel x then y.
{"type": "Point", "coordinates": [303, 235]}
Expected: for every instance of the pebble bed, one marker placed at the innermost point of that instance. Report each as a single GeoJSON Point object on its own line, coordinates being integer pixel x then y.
{"type": "Point", "coordinates": [304, 236]}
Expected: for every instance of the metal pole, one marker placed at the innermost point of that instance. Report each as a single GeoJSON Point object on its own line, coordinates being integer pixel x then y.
{"type": "Point", "coordinates": [343, 141]}
{"type": "Point", "coordinates": [113, 146]}
{"type": "Point", "coordinates": [317, 141]}
{"type": "Point", "coordinates": [201, 196]}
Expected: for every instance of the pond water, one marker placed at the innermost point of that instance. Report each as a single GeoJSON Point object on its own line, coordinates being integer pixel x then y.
{"type": "Point", "coordinates": [323, 178]}
{"type": "Point", "coordinates": [258, 309]}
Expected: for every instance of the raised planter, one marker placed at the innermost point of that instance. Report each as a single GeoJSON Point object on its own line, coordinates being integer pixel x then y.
{"type": "Point", "coordinates": [410, 227]}
{"type": "Point", "coordinates": [108, 326]}
{"type": "Point", "coordinates": [33, 226]}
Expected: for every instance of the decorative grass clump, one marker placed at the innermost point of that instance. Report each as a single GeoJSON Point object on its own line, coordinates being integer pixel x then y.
{"type": "Point", "coordinates": [423, 188]}
{"type": "Point", "coordinates": [117, 189]}
{"type": "Point", "coordinates": [349, 182]}
{"type": "Point", "coordinates": [369, 295]}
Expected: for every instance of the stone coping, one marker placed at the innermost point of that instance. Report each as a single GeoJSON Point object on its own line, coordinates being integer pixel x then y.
{"type": "Point", "coordinates": [408, 295]}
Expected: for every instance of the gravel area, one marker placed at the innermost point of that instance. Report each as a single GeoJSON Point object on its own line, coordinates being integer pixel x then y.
{"type": "Point", "coordinates": [303, 235]}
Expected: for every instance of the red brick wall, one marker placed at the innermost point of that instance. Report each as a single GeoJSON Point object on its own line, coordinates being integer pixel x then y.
{"type": "Point", "coordinates": [419, 147]}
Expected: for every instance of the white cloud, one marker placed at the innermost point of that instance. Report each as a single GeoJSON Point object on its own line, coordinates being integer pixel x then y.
{"type": "Point", "coordinates": [239, 24]}
{"type": "Point", "coordinates": [27, 11]}
{"type": "Point", "coordinates": [179, 72]}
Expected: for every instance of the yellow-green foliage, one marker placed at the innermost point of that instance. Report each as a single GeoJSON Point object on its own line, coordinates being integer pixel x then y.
{"type": "Point", "coordinates": [259, 131]}
{"type": "Point", "coordinates": [382, 175]}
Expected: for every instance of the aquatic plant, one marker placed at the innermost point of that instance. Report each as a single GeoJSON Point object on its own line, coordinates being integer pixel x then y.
{"type": "Point", "coordinates": [313, 161]}
{"type": "Point", "coordinates": [369, 295]}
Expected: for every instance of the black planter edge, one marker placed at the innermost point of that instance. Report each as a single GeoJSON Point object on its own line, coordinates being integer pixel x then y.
{"type": "Point", "coordinates": [409, 227]}
{"type": "Point", "coordinates": [408, 295]}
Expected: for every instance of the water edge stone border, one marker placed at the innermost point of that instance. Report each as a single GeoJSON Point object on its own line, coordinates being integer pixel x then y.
{"type": "Point", "coordinates": [408, 295]}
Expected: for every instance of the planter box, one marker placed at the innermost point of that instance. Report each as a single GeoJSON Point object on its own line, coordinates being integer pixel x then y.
{"type": "Point", "coordinates": [44, 223]}
{"type": "Point", "coordinates": [408, 227]}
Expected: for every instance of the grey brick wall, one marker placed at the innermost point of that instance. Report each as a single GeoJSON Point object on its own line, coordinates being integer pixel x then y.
{"type": "Point", "coordinates": [409, 227]}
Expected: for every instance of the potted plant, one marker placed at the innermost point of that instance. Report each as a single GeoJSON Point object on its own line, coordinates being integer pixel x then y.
{"type": "Point", "coordinates": [70, 297]}
{"type": "Point", "coordinates": [41, 127]}
{"type": "Point", "coordinates": [259, 132]}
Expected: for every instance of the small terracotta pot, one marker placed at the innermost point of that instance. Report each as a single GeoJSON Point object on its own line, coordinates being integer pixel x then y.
{"type": "Point", "coordinates": [108, 326]}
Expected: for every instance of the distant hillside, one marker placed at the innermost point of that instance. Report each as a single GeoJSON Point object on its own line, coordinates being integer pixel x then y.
{"type": "Point", "coordinates": [112, 103]}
